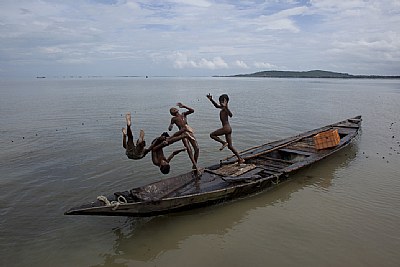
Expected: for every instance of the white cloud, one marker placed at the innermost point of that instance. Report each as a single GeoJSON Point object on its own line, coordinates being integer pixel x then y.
{"type": "Point", "coordinates": [198, 3]}
{"type": "Point", "coordinates": [241, 64]}
{"type": "Point", "coordinates": [263, 65]}
{"type": "Point", "coordinates": [182, 61]}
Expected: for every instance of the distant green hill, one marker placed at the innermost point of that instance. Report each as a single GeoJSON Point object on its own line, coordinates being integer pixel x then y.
{"type": "Point", "coordinates": [310, 74]}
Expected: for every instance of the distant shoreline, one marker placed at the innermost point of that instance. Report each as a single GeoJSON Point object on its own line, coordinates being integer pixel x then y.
{"type": "Point", "coordinates": [261, 74]}
{"type": "Point", "coordinates": [310, 74]}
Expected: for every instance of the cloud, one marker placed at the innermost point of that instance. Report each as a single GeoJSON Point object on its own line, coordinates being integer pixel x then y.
{"type": "Point", "coordinates": [182, 61]}
{"type": "Point", "coordinates": [263, 65]}
{"type": "Point", "coordinates": [282, 20]}
{"type": "Point", "coordinates": [241, 64]}
{"type": "Point", "coordinates": [198, 3]}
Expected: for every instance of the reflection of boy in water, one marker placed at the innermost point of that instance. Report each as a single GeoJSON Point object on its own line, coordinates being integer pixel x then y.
{"type": "Point", "coordinates": [226, 129]}
{"type": "Point", "coordinates": [133, 151]}
{"type": "Point", "coordinates": [157, 153]}
{"type": "Point", "coordinates": [180, 121]}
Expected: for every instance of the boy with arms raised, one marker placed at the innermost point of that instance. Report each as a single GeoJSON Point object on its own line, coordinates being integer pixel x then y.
{"type": "Point", "coordinates": [180, 121]}
{"type": "Point", "coordinates": [226, 129]}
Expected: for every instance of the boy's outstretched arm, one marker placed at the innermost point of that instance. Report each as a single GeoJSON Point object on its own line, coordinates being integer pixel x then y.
{"type": "Point", "coordinates": [209, 96]}
{"type": "Point", "coordinates": [171, 125]}
{"type": "Point", "coordinates": [176, 152]}
{"type": "Point", "coordinates": [189, 109]}
{"type": "Point", "coordinates": [156, 145]}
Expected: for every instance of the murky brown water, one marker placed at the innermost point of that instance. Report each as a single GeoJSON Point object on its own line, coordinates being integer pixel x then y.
{"type": "Point", "coordinates": [61, 146]}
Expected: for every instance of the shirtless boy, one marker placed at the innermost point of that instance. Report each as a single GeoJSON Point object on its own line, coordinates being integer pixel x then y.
{"type": "Point", "coordinates": [226, 129]}
{"type": "Point", "coordinates": [133, 151]}
{"type": "Point", "coordinates": [180, 121]}
{"type": "Point", "coordinates": [157, 153]}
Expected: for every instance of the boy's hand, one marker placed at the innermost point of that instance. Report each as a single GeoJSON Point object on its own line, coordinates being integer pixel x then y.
{"type": "Point", "coordinates": [179, 104]}
{"type": "Point", "coordinates": [209, 96]}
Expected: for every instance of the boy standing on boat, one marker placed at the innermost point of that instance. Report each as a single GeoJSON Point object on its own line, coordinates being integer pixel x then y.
{"type": "Point", "coordinates": [180, 121]}
{"type": "Point", "coordinates": [157, 153]}
{"type": "Point", "coordinates": [226, 129]}
{"type": "Point", "coordinates": [133, 151]}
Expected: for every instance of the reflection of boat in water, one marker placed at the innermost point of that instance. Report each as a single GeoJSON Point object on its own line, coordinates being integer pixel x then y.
{"type": "Point", "coordinates": [145, 239]}
{"type": "Point", "coordinates": [266, 166]}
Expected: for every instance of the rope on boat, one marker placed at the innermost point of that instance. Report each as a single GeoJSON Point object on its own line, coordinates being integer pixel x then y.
{"type": "Point", "coordinates": [277, 179]}
{"type": "Point", "coordinates": [114, 204]}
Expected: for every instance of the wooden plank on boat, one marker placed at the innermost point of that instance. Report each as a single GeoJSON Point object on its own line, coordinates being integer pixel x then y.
{"type": "Point", "coordinates": [353, 124]}
{"type": "Point", "coordinates": [287, 162]}
{"type": "Point", "coordinates": [234, 169]}
{"type": "Point", "coordinates": [302, 148]}
{"type": "Point", "coordinates": [154, 192]}
{"type": "Point", "coordinates": [271, 167]}
{"type": "Point", "coordinates": [247, 177]}
{"type": "Point", "coordinates": [295, 151]}
{"type": "Point", "coordinates": [348, 126]}
{"type": "Point", "coordinates": [354, 120]}
{"type": "Point", "coordinates": [272, 164]}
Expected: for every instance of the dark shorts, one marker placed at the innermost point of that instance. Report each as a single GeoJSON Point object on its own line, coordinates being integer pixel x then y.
{"type": "Point", "coordinates": [135, 152]}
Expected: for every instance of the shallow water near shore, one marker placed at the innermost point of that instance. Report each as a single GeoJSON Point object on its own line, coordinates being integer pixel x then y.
{"type": "Point", "coordinates": [61, 145]}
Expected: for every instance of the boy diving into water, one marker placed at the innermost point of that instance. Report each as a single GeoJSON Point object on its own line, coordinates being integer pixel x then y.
{"type": "Point", "coordinates": [133, 150]}
{"type": "Point", "coordinates": [157, 153]}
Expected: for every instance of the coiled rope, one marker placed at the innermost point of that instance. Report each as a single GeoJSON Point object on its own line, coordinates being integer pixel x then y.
{"type": "Point", "coordinates": [114, 204]}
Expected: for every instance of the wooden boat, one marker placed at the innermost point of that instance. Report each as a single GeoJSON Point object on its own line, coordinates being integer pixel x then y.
{"type": "Point", "coordinates": [266, 166]}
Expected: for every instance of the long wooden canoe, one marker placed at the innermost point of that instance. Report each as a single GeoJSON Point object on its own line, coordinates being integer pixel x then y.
{"type": "Point", "coordinates": [266, 166]}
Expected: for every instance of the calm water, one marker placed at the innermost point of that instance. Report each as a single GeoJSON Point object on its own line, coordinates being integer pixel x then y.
{"type": "Point", "coordinates": [60, 146]}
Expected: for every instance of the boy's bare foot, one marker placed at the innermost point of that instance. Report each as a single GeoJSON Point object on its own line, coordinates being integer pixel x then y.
{"type": "Point", "coordinates": [223, 146]}
{"type": "Point", "coordinates": [128, 118]}
{"type": "Point", "coordinates": [241, 161]}
{"type": "Point", "coordinates": [197, 173]}
{"type": "Point", "coordinates": [141, 136]}
{"type": "Point", "coordinates": [124, 131]}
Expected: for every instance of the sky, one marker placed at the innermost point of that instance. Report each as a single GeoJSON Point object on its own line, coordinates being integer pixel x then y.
{"type": "Point", "coordinates": [197, 37]}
